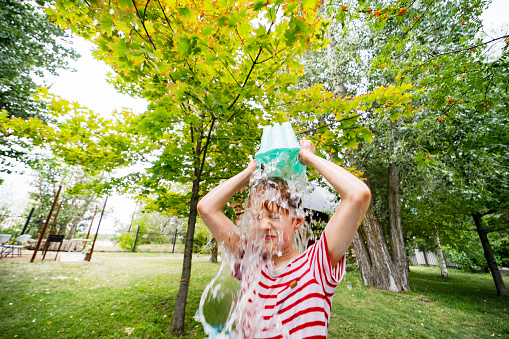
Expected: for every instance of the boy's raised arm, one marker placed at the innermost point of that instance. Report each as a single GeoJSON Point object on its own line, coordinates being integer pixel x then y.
{"type": "Point", "coordinates": [355, 200]}
{"type": "Point", "coordinates": [211, 207]}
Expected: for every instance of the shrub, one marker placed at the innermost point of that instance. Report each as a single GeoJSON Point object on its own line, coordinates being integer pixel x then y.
{"type": "Point", "coordinates": [126, 241]}
{"type": "Point", "coordinates": [501, 248]}
{"type": "Point", "coordinates": [467, 261]}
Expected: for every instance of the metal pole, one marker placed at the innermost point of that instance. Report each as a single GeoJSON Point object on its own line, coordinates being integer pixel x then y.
{"type": "Point", "coordinates": [51, 230]}
{"type": "Point", "coordinates": [97, 232]}
{"type": "Point", "coordinates": [28, 220]}
{"type": "Point", "coordinates": [174, 240]}
{"type": "Point", "coordinates": [136, 239]}
{"type": "Point", "coordinates": [88, 233]}
{"type": "Point", "coordinates": [46, 224]}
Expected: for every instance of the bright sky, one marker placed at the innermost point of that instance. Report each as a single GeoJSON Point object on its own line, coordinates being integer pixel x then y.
{"type": "Point", "coordinates": [88, 86]}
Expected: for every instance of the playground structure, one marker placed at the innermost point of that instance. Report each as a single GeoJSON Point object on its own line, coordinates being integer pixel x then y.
{"type": "Point", "coordinates": [52, 242]}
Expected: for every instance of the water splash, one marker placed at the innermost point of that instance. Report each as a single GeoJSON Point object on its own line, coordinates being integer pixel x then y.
{"type": "Point", "coordinates": [229, 306]}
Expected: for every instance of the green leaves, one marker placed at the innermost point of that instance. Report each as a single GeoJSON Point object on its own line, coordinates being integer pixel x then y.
{"type": "Point", "coordinates": [216, 43]}
{"type": "Point", "coordinates": [29, 45]}
{"type": "Point", "coordinates": [259, 4]}
{"type": "Point", "coordinates": [81, 137]}
{"type": "Point", "coordinates": [213, 73]}
{"type": "Point", "coordinates": [185, 12]}
{"type": "Point", "coordinates": [186, 46]}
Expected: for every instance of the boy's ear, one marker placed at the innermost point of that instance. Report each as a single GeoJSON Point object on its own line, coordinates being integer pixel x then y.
{"type": "Point", "coordinates": [298, 223]}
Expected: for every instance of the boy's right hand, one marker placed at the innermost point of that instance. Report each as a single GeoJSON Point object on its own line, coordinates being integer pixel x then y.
{"type": "Point", "coordinates": [251, 167]}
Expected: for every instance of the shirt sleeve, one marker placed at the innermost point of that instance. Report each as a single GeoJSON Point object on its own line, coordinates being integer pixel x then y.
{"type": "Point", "coordinates": [326, 275]}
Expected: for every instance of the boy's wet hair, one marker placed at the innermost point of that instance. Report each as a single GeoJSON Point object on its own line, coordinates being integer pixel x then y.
{"type": "Point", "coordinates": [281, 199]}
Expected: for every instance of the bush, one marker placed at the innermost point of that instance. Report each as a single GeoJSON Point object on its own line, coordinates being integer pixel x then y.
{"type": "Point", "coordinates": [126, 241]}
{"type": "Point", "coordinates": [470, 254]}
{"type": "Point", "coordinates": [201, 236]}
{"type": "Point", "coordinates": [466, 261]}
{"type": "Point", "coordinates": [501, 248]}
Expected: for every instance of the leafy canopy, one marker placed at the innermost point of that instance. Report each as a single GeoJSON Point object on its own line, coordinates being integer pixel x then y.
{"type": "Point", "coordinates": [29, 45]}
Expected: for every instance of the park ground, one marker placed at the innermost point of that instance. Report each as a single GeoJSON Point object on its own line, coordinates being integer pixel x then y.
{"type": "Point", "coordinates": [131, 295]}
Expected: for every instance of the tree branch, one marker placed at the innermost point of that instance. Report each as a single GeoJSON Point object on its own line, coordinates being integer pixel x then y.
{"type": "Point", "coordinates": [141, 36]}
{"type": "Point", "coordinates": [143, 24]}
{"type": "Point", "coordinates": [165, 17]}
{"type": "Point", "coordinates": [454, 103]}
{"type": "Point", "coordinates": [207, 144]}
{"type": "Point", "coordinates": [327, 124]}
{"type": "Point", "coordinates": [273, 55]}
{"type": "Point", "coordinates": [226, 67]}
{"type": "Point", "coordinates": [252, 66]}
{"type": "Point", "coordinates": [247, 78]}
{"type": "Point", "coordinates": [468, 48]}
{"type": "Point", "coordinates": [145, 10]}
{"type": "Point", "coordinates": [416, 22]}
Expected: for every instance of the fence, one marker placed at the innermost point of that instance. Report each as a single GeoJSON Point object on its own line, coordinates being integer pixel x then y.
{"type": "Point", "coordinates": [429, 258]}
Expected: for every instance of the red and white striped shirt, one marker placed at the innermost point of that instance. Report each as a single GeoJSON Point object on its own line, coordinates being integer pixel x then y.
{"type": "Point", "coordinates": [297, 297]}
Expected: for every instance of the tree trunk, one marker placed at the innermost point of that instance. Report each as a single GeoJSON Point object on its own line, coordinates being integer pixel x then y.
{"type": "Point", "coordinates": [440, 256]}
{"type": "Point", "coordinates": [213, 250]}
{"type": "Point", "coordinates": [363, 259]}
{"type": "Point", "coordinates": [63, 227]}
{"type": "Point", "coordinates": [375, 263]}
{"type": "Point", "coordinates": [488, 254]}
{"type": "Point", "coordinates": [80, 212]}
{"type": "Point", "coordinates": [180, 303]}
{"type": "Point", "coordinates": [397, 242]}
{"type": "Point", "coordinates": [425, 258]}
{"type": "Point", "coordinates": [339, 88]}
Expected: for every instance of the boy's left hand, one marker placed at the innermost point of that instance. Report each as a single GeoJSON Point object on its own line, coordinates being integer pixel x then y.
{"type": "Point", "coordinates": [307, 148]}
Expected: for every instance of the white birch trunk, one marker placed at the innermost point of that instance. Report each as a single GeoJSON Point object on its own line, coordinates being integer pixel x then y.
{"type": "Point", "coordinates": [440, 256]}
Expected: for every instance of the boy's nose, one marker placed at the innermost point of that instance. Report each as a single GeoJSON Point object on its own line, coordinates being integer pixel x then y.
{"type": "Point", "coordinates": [264, 224]}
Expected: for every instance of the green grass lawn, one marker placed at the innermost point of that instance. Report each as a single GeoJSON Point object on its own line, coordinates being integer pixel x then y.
{"type": "Point", "coordinates": [464, 306]}
{"type": "Point", "coordinates": [118, 294]}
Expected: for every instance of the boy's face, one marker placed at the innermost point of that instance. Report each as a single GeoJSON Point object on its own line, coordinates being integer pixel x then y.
{"type": "Point", "coordinates": [275, 226]}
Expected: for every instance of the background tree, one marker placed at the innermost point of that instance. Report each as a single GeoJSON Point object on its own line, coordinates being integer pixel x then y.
{"type": "Point", "coordinates": [464, 109]}
{"type": "Point", "coordinates": [30, 44]}
{"type": "Point", "coordinates": [431, 44]}
{"type": "Point", "coordinates": [344, 68]}
{"type": "Point", "coordinates": [77, 199]}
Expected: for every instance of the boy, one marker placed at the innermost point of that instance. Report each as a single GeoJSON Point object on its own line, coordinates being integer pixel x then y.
{"type": "Point", "coordinates": [295, 289]}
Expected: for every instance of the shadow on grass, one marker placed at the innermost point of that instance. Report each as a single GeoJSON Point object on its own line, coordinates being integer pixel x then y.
{"type": "Point", "coordinates": [462, 290]}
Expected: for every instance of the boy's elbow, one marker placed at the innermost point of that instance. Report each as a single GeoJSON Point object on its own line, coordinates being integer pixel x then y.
{"type": "Point", "coordinates": [202, 207]}
{"type": "Point", "coordinates": [207, 207]}
{"type": "Point", "coordinates": [363, 195]}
